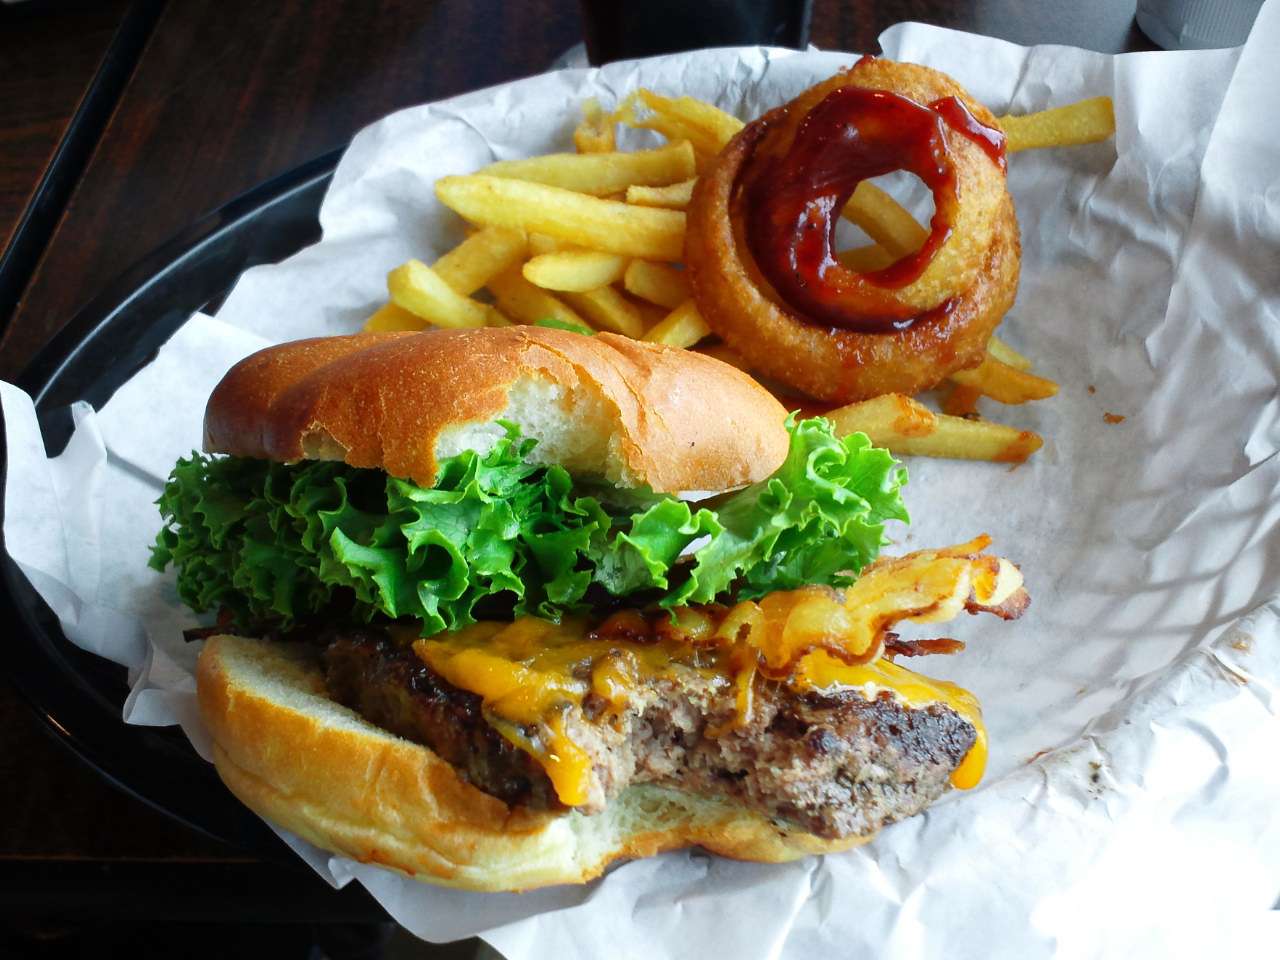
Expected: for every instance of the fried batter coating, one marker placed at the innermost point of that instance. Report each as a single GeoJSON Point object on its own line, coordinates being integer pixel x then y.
{"type": "Point", "coordinates": [954, 304]}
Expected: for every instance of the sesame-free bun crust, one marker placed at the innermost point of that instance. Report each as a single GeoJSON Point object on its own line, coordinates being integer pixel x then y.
{"type": "Point", "coordinates": [605, 406]}
{"type": "Point", "coordinates": [318, 769]}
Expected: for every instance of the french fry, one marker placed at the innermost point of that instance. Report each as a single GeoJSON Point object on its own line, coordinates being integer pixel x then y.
{"type": "Point", "coordinates": [885, 221]}
{"type": "Point", "coordinates": [595, 134]}
{"type": "Point", "coordinates": [417, 288]}
{"type": "Point", "coordinates": [866, 259]}
{"type": "Point", "coordinates": [1087, 121]}
{"type": "Point", "coordinates": [907, 427]}
{"type": "Point", "coordinates": [601, 174]}
{"type": "Point", "coordinates": [710, 129]}
{"type": "Point", "coordinates": [607, 309]}
{"type": "Point", "coordinates": [683, 327]}
{"type": "Point", "coordinates": [714, 127]}
{"type": "Point", "coordinates": [1005, 383]}
{"type": "Point", "coordinates": [575, 270]}
{"type": "Point", "coordinates": [484, 254]}
{"type": "Point", "coordinates": [1006, 354]}
{"type": "Point", "coordinates": [540, 243]}
{"type": "Point", "coordinates": [960, 401]}
{"type": "Point", "coordinates": [650, 313]}
{"type": "Point", "coordinates": [657, 283]}
{"type": "Point", "coordinates": [674, 127]}
{"type": "Point", "coordinates": [591, 219]}
{"type": "Point", "coordinates": [675, 196]}
{"type": "Point", "coordinates": [523, 302]}
{"type": "Point", "coordinates": [588, 221]}
{"type": "Point", "coordinates": [389, 317]}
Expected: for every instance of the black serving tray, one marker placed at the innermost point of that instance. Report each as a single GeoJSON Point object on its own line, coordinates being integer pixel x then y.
{"type": "Point", "coordinates": [80, 696]}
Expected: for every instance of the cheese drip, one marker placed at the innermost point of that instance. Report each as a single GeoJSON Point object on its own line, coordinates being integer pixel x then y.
{"type": "Point", "coordinates": [822, 672]}
{"type": "Point", "coordinates": [531, 675]}
{"type": "Point", "coordinates": [534, 676]}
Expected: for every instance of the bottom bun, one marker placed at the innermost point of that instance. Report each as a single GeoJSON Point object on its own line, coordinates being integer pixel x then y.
{"type": "Point", "coordinates": [304, 762]}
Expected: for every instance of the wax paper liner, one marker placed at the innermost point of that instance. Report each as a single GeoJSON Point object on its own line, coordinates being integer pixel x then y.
{"type": "Point", "coordinates": [1129, 803]}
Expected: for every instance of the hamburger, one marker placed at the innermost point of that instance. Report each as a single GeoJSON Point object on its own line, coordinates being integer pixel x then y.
{"type": "Point", "coordinates": [498, 607]}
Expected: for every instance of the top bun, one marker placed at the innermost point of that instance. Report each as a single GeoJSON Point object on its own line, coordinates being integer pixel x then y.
{"type": "Point", "coordinates": [628, 412]}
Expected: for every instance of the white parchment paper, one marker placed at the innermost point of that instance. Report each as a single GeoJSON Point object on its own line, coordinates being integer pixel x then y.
{"type": "Point", "coordinates": [1130, 803]}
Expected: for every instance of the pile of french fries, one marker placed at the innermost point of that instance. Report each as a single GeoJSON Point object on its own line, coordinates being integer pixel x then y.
{"type": "Point", "coordinates": [592, 241]}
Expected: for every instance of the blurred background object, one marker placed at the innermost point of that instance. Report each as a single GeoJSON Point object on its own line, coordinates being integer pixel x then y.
{"type": "Point", "coordinates": [1197, 24]}
{"type": "Point", "coordinates": [625, 29]}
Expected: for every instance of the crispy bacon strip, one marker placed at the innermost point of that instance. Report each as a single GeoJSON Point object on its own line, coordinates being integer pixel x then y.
{"type": "Point", "coordinates": [1013, 606]}
{"type": "Point", "coordinates": [896, 647]}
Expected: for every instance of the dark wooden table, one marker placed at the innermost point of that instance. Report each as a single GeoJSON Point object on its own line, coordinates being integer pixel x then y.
{"type": "Point", "coordinates": [121, 122]}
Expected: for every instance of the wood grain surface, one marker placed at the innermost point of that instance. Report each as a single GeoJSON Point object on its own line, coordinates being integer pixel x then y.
{"type": "Point", "coordinates": [229, 94]}
{"type": "Point", "coordinates": [48, 55]}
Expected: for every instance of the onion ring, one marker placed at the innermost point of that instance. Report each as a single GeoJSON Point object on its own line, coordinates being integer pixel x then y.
{"type": "Point", "coordinates": [845, 335]}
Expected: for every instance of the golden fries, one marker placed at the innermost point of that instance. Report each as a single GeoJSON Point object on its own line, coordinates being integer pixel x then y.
{"type": "Point", "coordinates": [885, 221]}
{"type": "Point", "coordinates": [669, 122]}
{"type": "Point", "coordinates": [907, 427]}
{"type": "Point", "coordinates": [417, 288]}
{"type": "Point", "coordinates": [675, 196]}
{"type": "Point", "coordinates": [540, 243]}
{"type": "Point", "coordinates": [523, 302]}
{"type": "Point", "coordinates": [683, 327]}
{"type": "Point", "coordinates": [601, 174]}
{"type": "Point", "coordinates": [1087, 121]}
{"type": "Point", "coordinates": [595, 133]}
{"type": "Point", "coordinates": [714, 127]}
{"type": "Point", "coordinates": [604, 229]}
{"type": "Point", "coordinates": [650, 313]}
{"type": "Point", "coordinates": [657, 283]}
{"type": "Point", "coordinates": [575, 270]}
{"type": "Point", "coordinates": [866, 259]}
{"type": "Point", "coordinates": [710, 128]}
{"type": "Point", "coordinates": [607, 309]}
{"type": "Point", "coordinates": [589, 221]}
{"type": "Point", "coordinates": [1006, 354]}
{"type": "Point", "coordinates": [960, 401]}
{"type": "Point", "coordinates": [1006, 383]}
{"type": "Point", "coordinates": [389, 317]}
{"type": "Point", "coordinates": [486, 253]}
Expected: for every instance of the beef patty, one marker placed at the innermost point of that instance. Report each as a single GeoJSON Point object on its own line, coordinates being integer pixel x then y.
{"type": "Point", "coordinates": [834, 765]}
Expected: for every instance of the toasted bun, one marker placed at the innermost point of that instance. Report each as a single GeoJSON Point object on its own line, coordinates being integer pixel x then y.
{"type": "Point", "coordinates": [318, 769]}
{"type": "Point", "coordinates": [629, 412]}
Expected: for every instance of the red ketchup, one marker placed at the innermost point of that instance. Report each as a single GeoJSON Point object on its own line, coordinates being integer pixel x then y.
{"type": "Point", "coordinates": [793, 202]}
{"type": "Point", "coordinates": [989, 139]}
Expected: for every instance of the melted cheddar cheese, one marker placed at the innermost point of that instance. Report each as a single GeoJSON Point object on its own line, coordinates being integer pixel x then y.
{"type": "Point", "coordinates": [534, 677]}
{"type": "Point", "coordinates": [531, 674]}
{"type": "Point", "coordinates": [819, 671]}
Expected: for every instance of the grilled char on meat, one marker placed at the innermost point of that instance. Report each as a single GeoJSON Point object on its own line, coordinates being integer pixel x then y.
{"type": "Point", "coordinates": [391, 687]}
{"type": "Point", "coordinates": [833, 765]}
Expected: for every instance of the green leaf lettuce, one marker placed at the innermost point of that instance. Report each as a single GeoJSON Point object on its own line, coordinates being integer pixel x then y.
{"type": "Point", "coordinates": [274, 542]}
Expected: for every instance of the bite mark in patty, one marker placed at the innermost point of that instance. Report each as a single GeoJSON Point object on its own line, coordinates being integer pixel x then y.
{"type": "Point", "coordinates": [833, 765]}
